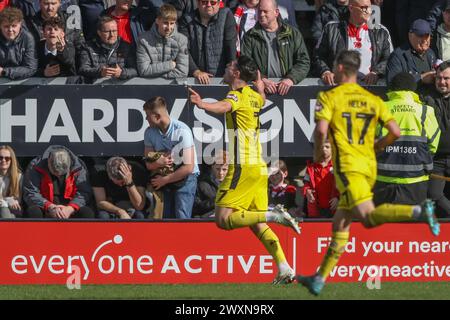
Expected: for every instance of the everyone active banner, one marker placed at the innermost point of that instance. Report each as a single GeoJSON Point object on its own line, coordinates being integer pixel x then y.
{"type": "Point", "coordinates": [77, 253]}
{"type": "Point", "coordinates": [106, 120]}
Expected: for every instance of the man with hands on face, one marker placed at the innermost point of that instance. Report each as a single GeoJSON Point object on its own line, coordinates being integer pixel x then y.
{"type": "Point", "coordinates": [56, 57]}
{"type": "Point", "coordinates": [119, 191]}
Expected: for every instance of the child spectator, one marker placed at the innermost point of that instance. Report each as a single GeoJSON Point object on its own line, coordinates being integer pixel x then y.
{"type": "Point", "coordinates": [10, 184]}
{"type": "Point", "coordinates": [320, 187]}
{"type": "Point", "coordinates": [56, 56]}
{"type": "Point", "coordinates": [208, 184]}
{"type": "Point", "coordinates": [280, 191]}
{"type": "Point", "coordinates": [162, 51]}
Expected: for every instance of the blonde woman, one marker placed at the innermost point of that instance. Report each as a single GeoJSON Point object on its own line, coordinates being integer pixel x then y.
{"type": "Point", "coordinates": [10, 184]}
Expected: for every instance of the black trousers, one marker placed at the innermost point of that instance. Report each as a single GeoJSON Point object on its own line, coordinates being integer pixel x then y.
{"type": "Point", "coordinates": [36, 212]}
{"type": "Point", "coordinates": [412, 194]}
{"type": "Point", "coordinates": [441, 166]}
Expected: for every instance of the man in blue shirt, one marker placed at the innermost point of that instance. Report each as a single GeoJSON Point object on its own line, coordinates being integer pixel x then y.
{"type": "Point", "coordinates": [171, 157]}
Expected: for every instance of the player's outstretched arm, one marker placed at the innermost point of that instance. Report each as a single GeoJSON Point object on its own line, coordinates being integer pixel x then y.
{"type": "Point", "coordinates": [219, 107]}
{"type": "Point", "coordinates": [393, 134]}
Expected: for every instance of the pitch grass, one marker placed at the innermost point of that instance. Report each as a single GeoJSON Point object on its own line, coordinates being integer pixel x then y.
{"type": "Point", "coordinates": [358, 291]}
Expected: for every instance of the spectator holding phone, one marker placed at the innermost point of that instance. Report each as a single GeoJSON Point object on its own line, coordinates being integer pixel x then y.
{"type": "Point", "coordinates": [107, 55]}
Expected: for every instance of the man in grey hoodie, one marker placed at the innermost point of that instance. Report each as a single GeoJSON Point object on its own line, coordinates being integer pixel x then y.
{"type": "Point", "coordinates": [441, 37]}
{"type": "Point", "coordinates": [162, 51]}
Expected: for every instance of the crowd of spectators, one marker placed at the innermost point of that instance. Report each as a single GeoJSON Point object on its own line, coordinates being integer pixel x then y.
{"type": "Point", "coordinates": [86, 40]}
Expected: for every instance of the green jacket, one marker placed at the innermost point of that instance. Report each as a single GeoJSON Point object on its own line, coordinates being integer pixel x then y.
{"type": "Point", "coordinates": [294, 58]}
{"type": "Point", "coordinates": [410, 158]}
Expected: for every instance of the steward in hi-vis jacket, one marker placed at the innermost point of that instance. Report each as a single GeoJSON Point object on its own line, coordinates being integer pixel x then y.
{"type": "Point", "coordinates": [405, 165]}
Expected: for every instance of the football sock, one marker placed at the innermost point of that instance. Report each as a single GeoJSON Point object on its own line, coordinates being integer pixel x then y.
{"type": "Point", "coordinates": [391, 213]}
{"type": "Point", "coordinates": [334, 252]}
{"type": "Point", "coordinates": [417, 213]}
{"type": "Point", "coordinates": [270, 240]}
{"type": "Point", "coordinates": [243, 218]}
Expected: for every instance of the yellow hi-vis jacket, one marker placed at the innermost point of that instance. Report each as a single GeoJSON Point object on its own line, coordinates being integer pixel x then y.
{"type": "Point", "coordinates": [410, 158]}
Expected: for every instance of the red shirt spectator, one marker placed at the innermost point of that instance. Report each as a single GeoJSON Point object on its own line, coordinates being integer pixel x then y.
{"type": "Point", "coordinates": [4, 4]}
{"type": "Point", "coordinates": [123, 26]}
{"type": "Point", "coordinates": [280, 191]}
{"type": "Point", "coordinates": [320, 186]}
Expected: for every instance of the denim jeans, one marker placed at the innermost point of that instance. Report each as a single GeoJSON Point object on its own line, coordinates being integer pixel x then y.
{"type": "Point", "coordinates": [178, 203]}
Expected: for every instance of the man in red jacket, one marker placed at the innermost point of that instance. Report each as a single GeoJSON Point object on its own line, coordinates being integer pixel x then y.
{"type": "Point", "coordinates": [56, 186]}
{"type": "Point", "coordinates": [320, 186]}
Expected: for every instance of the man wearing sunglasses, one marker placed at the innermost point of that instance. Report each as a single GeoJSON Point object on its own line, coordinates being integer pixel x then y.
{"type": "Point", "coordinates": [211, 33]}
{"type": "Point", "coordinates": [187, 7]}
{"type": "Point", "coordinates": [373, 43]}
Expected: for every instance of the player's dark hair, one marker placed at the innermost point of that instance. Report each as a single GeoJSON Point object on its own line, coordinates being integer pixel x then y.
{"type": "Point", "coordinates": [350, 60]}
{"type": "Point", "coordinates": [403, 81]}
{"type": "Point", "coordinates": [155, 103]}
{"type": "Point", "coordinates": [248, 68]}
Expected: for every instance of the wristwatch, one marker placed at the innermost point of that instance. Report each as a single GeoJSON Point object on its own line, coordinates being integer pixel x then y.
{"type": "Point", "coordinates": [130, 184]}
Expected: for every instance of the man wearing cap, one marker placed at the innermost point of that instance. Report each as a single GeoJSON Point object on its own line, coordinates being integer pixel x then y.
{"type": "Point", "coordinates": [56, 186]}
{"type": "Point", "coordinates": [415, 57]}
{"type": "Point", "coordinates": [405, 165]}
{"type": "Point", "coordinates": [440, 42]}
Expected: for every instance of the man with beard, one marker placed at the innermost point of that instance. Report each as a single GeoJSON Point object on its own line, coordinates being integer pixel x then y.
{"type": "Point", "coordinates": [440, 100]}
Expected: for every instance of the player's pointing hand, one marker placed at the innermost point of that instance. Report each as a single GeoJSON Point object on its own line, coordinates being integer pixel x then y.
{"type": "Point", "coordinates": [195, 97]}
{"type": "Point", "coordinates": [258, 83]}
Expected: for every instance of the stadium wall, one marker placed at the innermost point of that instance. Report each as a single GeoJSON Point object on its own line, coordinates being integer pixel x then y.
{"type": "Point", "coordinates": [198, 252]}
{"type": "Point", "coordinates": [107, 120]}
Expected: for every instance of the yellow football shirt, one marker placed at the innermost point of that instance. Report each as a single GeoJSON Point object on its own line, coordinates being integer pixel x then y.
{"type": "Point", "coordinates": [353, 114]}
{"type": "Point", "coordinates": [243, 126]}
